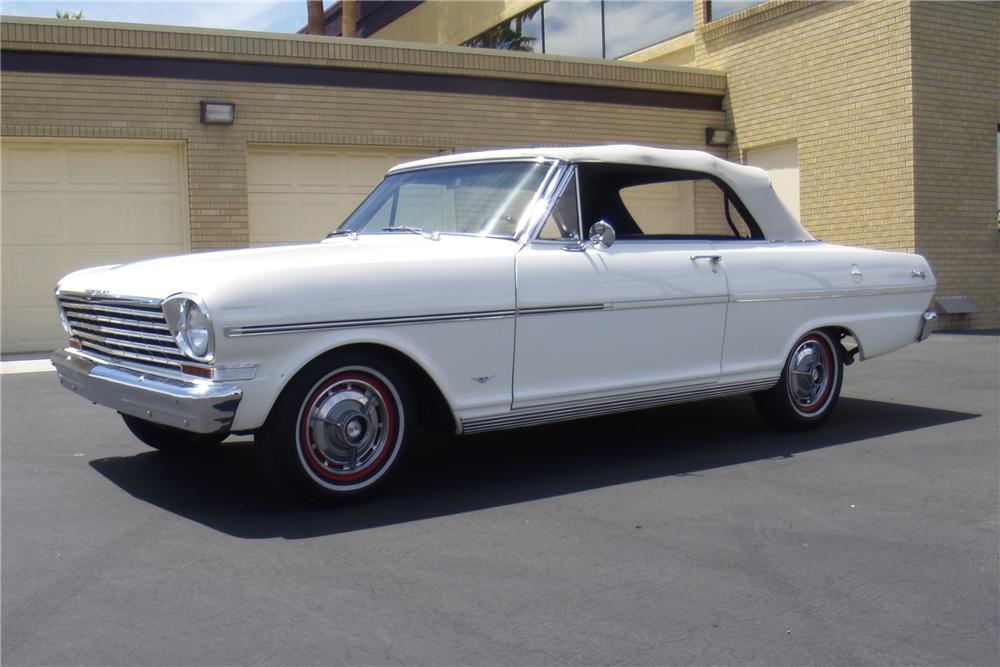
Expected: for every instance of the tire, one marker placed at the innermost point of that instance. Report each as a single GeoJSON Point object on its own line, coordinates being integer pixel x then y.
{"type": "Point", "coordinates": [809, 386]}
{"type": "Point", "coordinates": [338, 430]}
{"type": "Point", "coordinates": [171, 440]}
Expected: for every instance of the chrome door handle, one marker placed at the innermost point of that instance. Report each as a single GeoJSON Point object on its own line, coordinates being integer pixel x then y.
{"type": "Point", "coordinates": [714, 259]}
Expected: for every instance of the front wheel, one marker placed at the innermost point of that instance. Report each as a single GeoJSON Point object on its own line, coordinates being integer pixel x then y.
{"type": "Point", "coordinates": [171, 440]}
{"type": "Point", "coordinates": [809, 386]}
{"type": "Point", "coordinates": [338, 430]}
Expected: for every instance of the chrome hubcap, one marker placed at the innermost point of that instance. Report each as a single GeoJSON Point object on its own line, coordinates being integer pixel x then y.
{"type": "Point", "coordinates": [346, 426]}
{"type": "Point", "coordinates": [809, 374]}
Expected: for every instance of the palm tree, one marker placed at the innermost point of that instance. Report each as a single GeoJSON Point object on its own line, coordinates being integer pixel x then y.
{"type": "Point", "coordinates": [348, 17]}
{"type": "Point", "coordinates": [317, 19]}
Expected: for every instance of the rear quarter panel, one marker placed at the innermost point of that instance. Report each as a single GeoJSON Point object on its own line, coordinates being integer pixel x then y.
{"type": "Point", "coordinates": [780, 291]}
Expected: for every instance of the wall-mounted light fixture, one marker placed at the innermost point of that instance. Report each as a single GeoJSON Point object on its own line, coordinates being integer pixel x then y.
{"type": "Point", "coordinates": [217, 113]}
{"type": "Point", "coordinates": [715, 136]}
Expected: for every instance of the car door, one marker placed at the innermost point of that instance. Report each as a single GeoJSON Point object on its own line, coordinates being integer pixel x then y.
{"type": "Point", "coordinates": [616, 325]}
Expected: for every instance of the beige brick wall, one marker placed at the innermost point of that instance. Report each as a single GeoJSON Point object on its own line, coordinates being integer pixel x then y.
{"type": "Point", "coordinates": [834, 77]}
{"type": "Point", "coordinates": [896, 136]}
{"type": "Point", "coordinates": [956, 90]}
{"type": "Point", "coordinates": [54, 105]}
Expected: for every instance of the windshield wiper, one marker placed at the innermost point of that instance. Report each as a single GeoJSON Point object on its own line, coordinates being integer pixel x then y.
{"type": "Point", "coordinates": [433, 236]}
{"type": "Point", "coordinates": [349, 233]}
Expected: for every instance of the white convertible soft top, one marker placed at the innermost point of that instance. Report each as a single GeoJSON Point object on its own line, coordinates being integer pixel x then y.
{"type": "Point", "coordinates": [751, 183]}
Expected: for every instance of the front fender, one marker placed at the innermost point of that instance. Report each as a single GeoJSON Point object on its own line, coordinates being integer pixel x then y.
{"type": "Point", "coordinates": [456, 356]}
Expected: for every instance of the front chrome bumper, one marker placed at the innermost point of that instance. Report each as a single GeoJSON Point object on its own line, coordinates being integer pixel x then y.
{"type": "Point", "coordinates": [196, 406]}
{"type": "Point", "coordinates": [927, 324]}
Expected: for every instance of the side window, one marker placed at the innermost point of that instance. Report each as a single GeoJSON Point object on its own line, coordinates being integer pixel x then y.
{"type": "Point", "coordinates": [563, 223]}
{"type": "Point", "coordinates": [649, 203]}
{"type": "Point", "coordinates": [661, 208]}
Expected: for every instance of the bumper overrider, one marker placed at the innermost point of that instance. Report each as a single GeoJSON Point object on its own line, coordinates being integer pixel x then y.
{"type": "Point", "coordinates": [927, 324]}
{"type": "Point", "coordinates": [198, 406]}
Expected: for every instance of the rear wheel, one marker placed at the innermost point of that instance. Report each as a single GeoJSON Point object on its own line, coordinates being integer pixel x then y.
{"type": "Point", "coordinates": [171, 440]}
{"type": "Point", "coordinates": [809, 386]}
{"type": "Point", "coordinates": [338, 430]}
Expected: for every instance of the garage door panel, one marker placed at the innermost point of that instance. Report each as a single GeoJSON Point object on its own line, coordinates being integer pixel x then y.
{"type": "Point", "coordinates": [318, 170]}
{"type": "Point", "coordinates": [30, 273]}
{"type": "Point", "coordinates": [31, 217]}
{"type": "Point", "coordinates": [298, 194]}
{"type": "Point", "coordinates": [104, 203]}
{"type": "Point", "coordinates": [317, 217]}
{"type": "Point", "coordinates": [269, 219]}
{"type": "Point", "coordinates": [30, 166]}
{"type": "Point", "coordinates": [93, 220]}
{"type": "Point", "coordinates": [155, 219]}
{"type": "Point", "coordinates": [365, 170]}
{"type": "Point", "coordinates": [93, 167]}
{"type": "Point", "coordinates": [269, 168]}
{"type": "Point", "coordinates": [38, 323]}
{"type": "Point", "coordinates": [151, 168]}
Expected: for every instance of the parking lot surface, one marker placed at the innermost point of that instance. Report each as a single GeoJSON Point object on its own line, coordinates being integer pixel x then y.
{"type": "Point", "coordinates": [685, 535]}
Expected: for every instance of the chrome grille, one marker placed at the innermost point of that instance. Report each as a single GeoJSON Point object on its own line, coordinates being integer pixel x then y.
{"type": "Point", "coordinates": [127, 330]}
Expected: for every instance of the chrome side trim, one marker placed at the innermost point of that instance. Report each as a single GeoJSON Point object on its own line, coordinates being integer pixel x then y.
{"type": "Point", "coordinates": [548, 310]}
{"type": "Point", "coordinates": [564, 411]}
{"type": "Point", "coordinates": [189, 405]}
{"type": "Point", "coordinates": [827, 294]}
{"type": "Point", "coordinates": [267, 329]}
{"type": "Point", "coordinates": [668, 303]}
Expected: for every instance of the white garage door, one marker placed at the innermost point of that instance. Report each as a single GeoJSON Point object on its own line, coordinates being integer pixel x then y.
{"type": "Point", "coordinates": [781, 163]}
{"type": "Point", "coordinates": [298, 193]}
{"type": "Point", "coordinates": [72, 204]}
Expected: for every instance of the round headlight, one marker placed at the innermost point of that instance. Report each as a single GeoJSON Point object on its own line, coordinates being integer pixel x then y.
{"type": "Point", "coordinates": [190, 325]}
{"type": "Point", "coordinates": [195, 328]}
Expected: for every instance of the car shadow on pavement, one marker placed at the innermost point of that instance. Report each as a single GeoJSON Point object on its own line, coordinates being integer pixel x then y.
{"type": "Point", "coordinates": [226, 490]}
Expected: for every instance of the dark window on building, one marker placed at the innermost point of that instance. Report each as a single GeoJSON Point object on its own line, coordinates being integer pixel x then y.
{"type": "Point", "coordinates": [520, 33]}
{"type": "Point", "coordinates": [717, 9]}
{"type": "Point", "coordinates": [590, 28]}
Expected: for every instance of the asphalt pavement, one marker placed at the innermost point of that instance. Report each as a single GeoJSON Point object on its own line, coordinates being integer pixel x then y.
{"type": "Point", "coordinates": [688, 535]}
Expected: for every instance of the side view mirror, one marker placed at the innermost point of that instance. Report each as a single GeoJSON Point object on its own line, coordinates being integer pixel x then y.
{"type": "Point", "coordinates": [602, 234]}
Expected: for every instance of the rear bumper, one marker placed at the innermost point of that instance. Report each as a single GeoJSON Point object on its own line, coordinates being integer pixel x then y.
{"type": "Point", "coordinates": [927, 324]}
{"type": "Point", "coordinates": [196, 406]}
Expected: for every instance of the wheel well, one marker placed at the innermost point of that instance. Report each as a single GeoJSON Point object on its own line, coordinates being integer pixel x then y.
{"type": "Point", "coordinates": [849, 343]}
{"type": "Point", "coordinates": [433, 411]}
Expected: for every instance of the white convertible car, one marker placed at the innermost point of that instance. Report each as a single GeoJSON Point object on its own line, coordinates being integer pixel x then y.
{"type": "Point", "coordinates": [489, 291]}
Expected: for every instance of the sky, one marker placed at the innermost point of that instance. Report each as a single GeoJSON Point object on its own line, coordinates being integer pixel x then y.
{"type": "Point", "coordinates": [264, 15]}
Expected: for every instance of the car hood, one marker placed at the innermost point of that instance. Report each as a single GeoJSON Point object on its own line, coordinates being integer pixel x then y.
{"type": "Point", "coordinates": [352, 277]}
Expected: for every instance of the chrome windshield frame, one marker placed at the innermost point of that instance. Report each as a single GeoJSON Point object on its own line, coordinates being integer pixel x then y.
{"type": "Point", "coordinates": [552, 191]}
{"type": "Point", "coordinates": [535, 210]}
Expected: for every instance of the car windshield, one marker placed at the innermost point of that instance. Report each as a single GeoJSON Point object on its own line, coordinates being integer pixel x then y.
{"type": "Point", "coordinates": [487, 199]}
